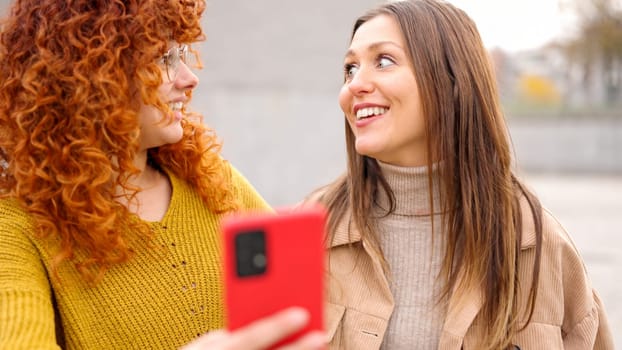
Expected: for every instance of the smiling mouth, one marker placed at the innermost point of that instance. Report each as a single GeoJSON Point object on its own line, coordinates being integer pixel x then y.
{"type": "Point", "coordinates": [176, 106]}
{"type": "Point", "coordinates": [370, 112]}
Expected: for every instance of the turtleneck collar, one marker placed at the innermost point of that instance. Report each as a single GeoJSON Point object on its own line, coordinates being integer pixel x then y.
{"type": "Point", "coordinates": [410, 187]}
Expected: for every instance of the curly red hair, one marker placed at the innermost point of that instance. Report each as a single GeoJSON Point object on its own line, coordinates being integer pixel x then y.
{"type": "Point", "coordinates": [70, 72]}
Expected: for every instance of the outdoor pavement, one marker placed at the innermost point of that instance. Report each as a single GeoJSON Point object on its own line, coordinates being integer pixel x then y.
{"type": "Point", "coordinates": [590, 208]}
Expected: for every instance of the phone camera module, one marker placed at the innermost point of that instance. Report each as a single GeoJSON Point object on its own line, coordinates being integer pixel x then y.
{"type": "Point", "coordinates": [250, 250]}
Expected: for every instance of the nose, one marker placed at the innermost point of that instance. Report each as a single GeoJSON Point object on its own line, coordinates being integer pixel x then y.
{"type": "Point", "coordinates": [186, 79]}
{"type": "Point", "coordinates": [361, 82]}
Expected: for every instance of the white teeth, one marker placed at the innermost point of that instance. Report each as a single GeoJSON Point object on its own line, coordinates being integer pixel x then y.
{"type": "Point", "coordinates": [369, 111]}
{"type": "Point", "coordinates": [176, 106]}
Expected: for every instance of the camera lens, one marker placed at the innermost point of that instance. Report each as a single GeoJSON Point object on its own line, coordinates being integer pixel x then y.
{"type": "Point", "coordinates": [250, 249]}
{"type": "Point", "coordinates": [259, 260]}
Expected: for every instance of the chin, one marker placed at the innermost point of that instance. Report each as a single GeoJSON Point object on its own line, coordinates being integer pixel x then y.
{"type": "Point", "coordinates": [366, 150]}
{"type": "Point", "coordinates": [173, 140]}
{"type": "Point", "coordinates": [174, 133]}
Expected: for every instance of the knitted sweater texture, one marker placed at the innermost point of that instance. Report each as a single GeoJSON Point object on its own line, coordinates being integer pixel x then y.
{"type": "Point", "coordinates": [168, 293]}
{"type": "Point", "coordinates": [413, 243]}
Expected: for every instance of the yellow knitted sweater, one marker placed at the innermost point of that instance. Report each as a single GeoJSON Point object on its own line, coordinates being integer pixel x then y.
{"type": "Point", "coordinates": [161, 299]}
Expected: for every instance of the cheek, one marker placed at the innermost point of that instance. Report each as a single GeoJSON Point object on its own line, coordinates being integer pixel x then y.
{"type": "Point", "coordinates": [148, 115]}
{"type": "Point", "coordinates": [345, 99]}
{"type": "Point", "coordinates": [165, 89]}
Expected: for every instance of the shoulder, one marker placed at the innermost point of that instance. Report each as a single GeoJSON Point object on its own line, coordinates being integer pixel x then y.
{"type": "Point", "coordinates": [554, 235]}
{"type": "Point", "coordinates": [557, 243]}
{"type": "Point", "coordinates": [566, 300]}
{"type": "Point", "coordinates": [245, 192]}
{"type": "Point", "coordinates": [321, 194]}
{"type": "Point", "coordinates": [565, 294]}
{"type": "Point", "coordinates": [13, 217]}
{"type": "Point", "coordinates": [315, 197]}
{"type": "Point", "coordinates": [18, 246]}
{"type": "Point", "coordinates": [24, 286]}
{"type": "Point", "coordinates": [557, 246]}
{"type": "Point", "coordinates": [17, 227]}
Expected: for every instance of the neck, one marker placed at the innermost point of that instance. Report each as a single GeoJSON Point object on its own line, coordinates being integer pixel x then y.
{"type": "Point", "coordinates": [411, 190]}
{"type": "Point", "coordinates": [153, 191]}
{"type": "Point", "coordinates": [146, 177]}
{"type": "Point", "coordinates": [140, 160]}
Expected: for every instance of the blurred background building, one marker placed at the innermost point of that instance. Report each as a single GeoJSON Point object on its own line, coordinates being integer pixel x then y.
{"type": "Point", "coordinates": [273, 69]}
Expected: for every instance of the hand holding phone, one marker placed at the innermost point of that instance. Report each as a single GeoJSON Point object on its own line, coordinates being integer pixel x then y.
{"type": "Point", "coordinates": [273, 261]}
{"type": "Point", "coordinates": [262, 334]}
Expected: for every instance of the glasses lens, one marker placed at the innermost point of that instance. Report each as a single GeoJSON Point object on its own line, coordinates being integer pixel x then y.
{"type": "Point", "coordinates": [183, 53]}
{"type": "Point", "coordinates": [173, 63]}
{"type": "Point", "coordinates": [172, 60]}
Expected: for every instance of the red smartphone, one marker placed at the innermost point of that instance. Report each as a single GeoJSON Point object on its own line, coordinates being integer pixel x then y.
{"type": "Point", "coordinates": [273, 261]}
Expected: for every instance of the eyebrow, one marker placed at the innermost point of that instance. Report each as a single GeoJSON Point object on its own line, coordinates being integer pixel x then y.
{"type": "Point", "coordinates": [375, 47]}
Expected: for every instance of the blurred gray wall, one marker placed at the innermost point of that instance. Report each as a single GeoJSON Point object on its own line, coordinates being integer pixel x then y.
{"type": "Point", "coordinates": [273, 70]}
{"type": "Point", "coordinates": [580, 146]}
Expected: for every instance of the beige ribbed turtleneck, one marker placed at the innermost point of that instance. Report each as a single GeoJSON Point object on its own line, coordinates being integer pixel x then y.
{"type": "Point", "coordinates": [415, 255]}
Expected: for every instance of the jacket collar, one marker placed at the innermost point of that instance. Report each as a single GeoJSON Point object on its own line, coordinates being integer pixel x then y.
{"type": "Point", "coordinates": [528, 239]}
{"type": "Point", "coordinates": [345, 232]}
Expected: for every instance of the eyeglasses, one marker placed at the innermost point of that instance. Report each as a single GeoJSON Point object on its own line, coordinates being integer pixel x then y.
{"type": "Point", "coordinates": [172, 59]}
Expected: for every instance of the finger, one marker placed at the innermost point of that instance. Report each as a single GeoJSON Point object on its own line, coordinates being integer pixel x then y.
{"type": "Point", "coordinates": [265, 332]}
{"type": "Point", "coordinates": [211, 338]}
{"type": "Point", "coordinates": [311, 341]}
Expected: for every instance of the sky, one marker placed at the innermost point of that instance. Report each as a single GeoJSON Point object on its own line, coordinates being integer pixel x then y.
{"type": "Point", "coordinates": [515, 25]}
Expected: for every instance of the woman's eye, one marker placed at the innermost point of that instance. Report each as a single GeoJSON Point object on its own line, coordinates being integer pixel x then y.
{"type": "Point", "coordinates": [165, 60]}
{"type": "Point", "coordinates": [350, 70]}
{"type": "Point", "coordinates": [384, 62]}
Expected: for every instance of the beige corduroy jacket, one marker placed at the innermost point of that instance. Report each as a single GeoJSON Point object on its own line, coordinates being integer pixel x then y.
{"type": "Point", "coordinates": [568, 313]}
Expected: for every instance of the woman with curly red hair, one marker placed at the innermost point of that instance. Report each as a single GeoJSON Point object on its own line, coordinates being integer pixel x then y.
{"type": "Point", "coordinates": [111, 190]}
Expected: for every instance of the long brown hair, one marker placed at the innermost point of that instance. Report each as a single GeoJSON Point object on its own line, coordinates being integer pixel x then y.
{"type": "Point", "coordinates": [467, 132]}
{"type": "Point", "coordinates": [70, 75]}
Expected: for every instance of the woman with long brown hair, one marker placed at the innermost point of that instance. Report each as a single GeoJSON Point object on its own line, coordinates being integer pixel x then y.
{"type": "Point", "coordinates": [111, 189]}
{"type": "Point", "coordinates": [434, 242]}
